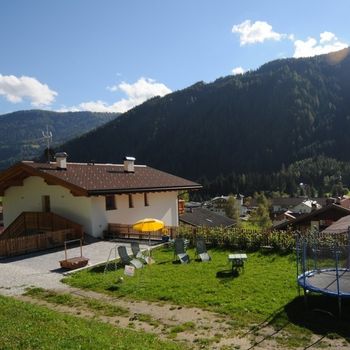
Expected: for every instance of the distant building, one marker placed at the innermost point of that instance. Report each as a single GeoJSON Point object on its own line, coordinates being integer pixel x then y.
{"type": "Point", "coordinates": [306, 206]}
{"type": "Point", "coordinates": [280, 213]}
{"type": "Point", "coordinates": [295, 204]}
{"type": "Point", "coordinates": [218, 204]}
{"type": "Point", "coordinates": [340, 226]}
{"type": "Point", "coordinates": [343, 201]}
{"type": "Point", "coordinates": [319, 219]}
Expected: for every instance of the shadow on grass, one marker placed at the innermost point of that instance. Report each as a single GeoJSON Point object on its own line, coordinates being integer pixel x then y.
{"type": "Point", "coordinates": [113, 288]}
{"type": "Point", "coordinates": [227, 275]}
{"type": "Point", "coordinates": [320, 315]}
{"type": "Point", "coordinates": [176, 262]}
{"type": "Point", "coordinates": [101, 268]}
{"type": "Point", "coordinates": [98, 269]}
{"type": "Point", "coordinates": [164, 262]}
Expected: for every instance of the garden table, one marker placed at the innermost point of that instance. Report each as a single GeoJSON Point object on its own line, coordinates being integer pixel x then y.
{"type": "Point", "coordinates": [237, 260]}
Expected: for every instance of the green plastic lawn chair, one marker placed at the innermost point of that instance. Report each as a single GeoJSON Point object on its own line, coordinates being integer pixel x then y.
{"type": "Point", "coordinates": [180, 252]}
{"type": "Point", "coordinates": [201, 250]}
{"type": "Point", "coordinates": [126, 260]}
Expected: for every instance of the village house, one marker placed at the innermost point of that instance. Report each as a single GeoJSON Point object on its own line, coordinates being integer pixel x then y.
{"type": "Point", "coordinates": [318, 219]}
{"type": "Point", "coordinates": [92, 195]}
{"type": "Point", "coordinates": [218, 204]}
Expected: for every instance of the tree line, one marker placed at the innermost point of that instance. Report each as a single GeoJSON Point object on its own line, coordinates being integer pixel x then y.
{"type": "Point", "coordinates": [313, 177]}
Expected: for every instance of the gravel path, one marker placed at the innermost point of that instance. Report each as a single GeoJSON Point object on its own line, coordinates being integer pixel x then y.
{"type": "Point", "coordinates": [43, 269]}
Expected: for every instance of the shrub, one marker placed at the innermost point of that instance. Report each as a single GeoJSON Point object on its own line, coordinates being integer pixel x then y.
{"type": "Point", "coordinates": [240, 239]}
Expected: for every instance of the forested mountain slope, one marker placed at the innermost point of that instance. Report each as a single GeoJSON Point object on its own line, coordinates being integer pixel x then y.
{"type": "Point", "coordinates": [286, 111]}
{"type": "Point", "coordinates": [21, 132]}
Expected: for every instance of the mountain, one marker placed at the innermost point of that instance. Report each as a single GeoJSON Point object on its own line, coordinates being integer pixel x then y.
{"type": "Point", "coordinates": [21, 132]}
{"type": "Point", "coordinates": [256, 123]}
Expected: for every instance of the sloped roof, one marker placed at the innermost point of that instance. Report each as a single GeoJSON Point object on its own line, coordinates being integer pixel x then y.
{"type": "Point", "coordinates": [340, 226]}
{"type": "Point", "coordinates": [93, 179]}
{"type": "Point", "coordinates": [309, 216]}
{"type": "Point", "coordinates": [206, 218]}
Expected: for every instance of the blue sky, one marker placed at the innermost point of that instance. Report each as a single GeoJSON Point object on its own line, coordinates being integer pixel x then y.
{"type": "Point", "coordinates": [109, 55]}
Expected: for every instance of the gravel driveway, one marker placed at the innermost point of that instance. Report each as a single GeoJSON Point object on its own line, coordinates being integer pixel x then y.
{"type": "Point", "coordinates": [42, 269]}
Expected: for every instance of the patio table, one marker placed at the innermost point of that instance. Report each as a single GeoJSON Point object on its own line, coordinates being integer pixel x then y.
{"type": "Point", "coordinates": [237, 260]}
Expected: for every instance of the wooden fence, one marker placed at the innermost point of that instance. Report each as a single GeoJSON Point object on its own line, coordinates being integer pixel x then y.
{"type": "Point", "coordinates": [35, 242]}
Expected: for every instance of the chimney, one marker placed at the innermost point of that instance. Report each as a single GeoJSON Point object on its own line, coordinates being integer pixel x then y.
{"type": "Point", "coordinates": [61, 160]}
{"type": "Point", "coordinates": [129, 164]}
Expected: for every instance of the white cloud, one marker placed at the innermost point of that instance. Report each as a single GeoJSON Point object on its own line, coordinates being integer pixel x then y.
{"type": "Point", "coordinates": [328, 43]}
{"type": "Point", "coordinates": [238, 70]}
{"type": "Point", "coordinates": [257, 32]}
{"type": "Point", "coordinates": [15, 89]}
{"type": "Point", "coordinates": [112, 88]}
{"type": "Point", "coordinates": [136, 93]}
{"type": "Point", "coordinates": [326, 37]}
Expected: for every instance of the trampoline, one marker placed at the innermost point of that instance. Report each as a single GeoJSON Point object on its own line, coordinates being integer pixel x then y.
{"type": "Point", "coordinates": [330, 282]}
{"type": "Point", "coordinates": [323, 264]}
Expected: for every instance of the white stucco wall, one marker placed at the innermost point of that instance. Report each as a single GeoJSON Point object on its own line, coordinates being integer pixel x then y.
{"type": "Point", "coordinates": [29, 198]}
{"type": "Point", "coordinates": [162, 206]}
{"type": "Point", "coordinates": [88, 211]}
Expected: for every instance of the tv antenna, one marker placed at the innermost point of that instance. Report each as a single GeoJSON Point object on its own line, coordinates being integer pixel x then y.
{"type": "Point", "coordinates": [47, 135]}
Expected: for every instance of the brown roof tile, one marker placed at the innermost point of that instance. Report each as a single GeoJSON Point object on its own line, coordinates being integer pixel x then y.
{"type": "Point", "coordinates": [107, 178]}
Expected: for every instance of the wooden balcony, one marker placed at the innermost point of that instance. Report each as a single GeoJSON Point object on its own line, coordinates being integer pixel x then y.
{"type": "Point", "coordinates": [32, 231]}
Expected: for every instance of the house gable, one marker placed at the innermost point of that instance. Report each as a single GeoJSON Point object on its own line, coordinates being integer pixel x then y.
{"type": "Point", "coordinates": [30, 194]}
{"type": "Point", "coordinates": [15, 175]}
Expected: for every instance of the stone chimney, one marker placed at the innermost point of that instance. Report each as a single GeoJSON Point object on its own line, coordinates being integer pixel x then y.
{"type": "Point", "coordinates": [129, 164]}
{"type": "Point", "coordinates": [61, 160]}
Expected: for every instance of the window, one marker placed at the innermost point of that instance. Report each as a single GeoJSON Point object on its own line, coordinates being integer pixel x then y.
{"type": "Point", "coordinates": [131, 201]}
{"type": "Point", "coordinates": [110, 203]}
{"type": "Point", "coordinates": [46, 204]}
{"type": "Point", "coordinates": [145, 198]}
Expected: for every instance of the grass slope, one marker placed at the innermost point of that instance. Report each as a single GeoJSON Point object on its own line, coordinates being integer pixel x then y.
{"type": "Point", "coordinates": [26, 326]}
{"type": "Point", "coordinates": [264, 294]}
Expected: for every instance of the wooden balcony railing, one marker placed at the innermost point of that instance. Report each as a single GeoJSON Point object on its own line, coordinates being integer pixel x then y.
{"type": "Point", "coordinates": [32, 231]}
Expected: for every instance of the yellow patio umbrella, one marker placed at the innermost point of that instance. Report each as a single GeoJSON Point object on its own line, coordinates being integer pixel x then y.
{"type": "Point", "coordinates": [148, 225]}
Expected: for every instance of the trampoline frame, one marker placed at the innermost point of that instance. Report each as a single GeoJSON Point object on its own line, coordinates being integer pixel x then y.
{"type": "Point", "coordinates": [303, 281]}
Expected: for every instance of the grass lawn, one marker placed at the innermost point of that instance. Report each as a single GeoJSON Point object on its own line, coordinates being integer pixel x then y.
{"type": "Point", "coordinates": [265, 286]}
{"type": "Point", "coordinates": [265, 291]}
{"type": "Point", "coordinates": [27, 326]}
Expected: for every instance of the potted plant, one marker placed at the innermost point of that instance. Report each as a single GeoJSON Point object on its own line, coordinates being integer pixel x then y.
{"type": "Point", "coordinates": [165, 235]}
